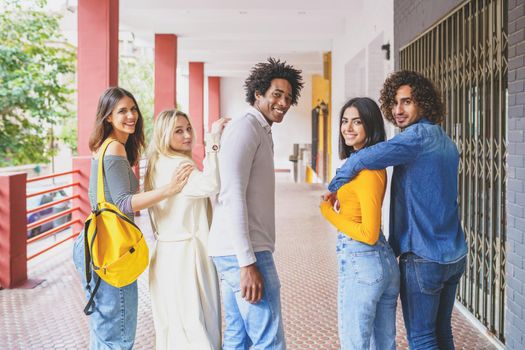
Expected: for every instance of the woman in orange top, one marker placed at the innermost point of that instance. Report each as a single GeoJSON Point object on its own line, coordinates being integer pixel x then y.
{"type": "Point", "coordinates": [368, 271]}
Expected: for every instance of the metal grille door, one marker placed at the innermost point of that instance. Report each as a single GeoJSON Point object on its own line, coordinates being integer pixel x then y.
{"type": "Point", "coordinates": [465, 54]}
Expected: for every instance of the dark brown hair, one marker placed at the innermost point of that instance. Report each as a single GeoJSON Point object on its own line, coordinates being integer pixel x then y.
{"type": "Point", "coordinates": [106, 104]}
{"type": "Point", "coordinates": [372, 120]}
{"type": "Point", "coordinates": [424, 94]}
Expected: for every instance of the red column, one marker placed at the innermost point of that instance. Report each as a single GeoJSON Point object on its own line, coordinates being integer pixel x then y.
{"type": "Point", "coordinates": [165, 72]}
{"type": "Point", "coordinates": [196, 97]}
{"type": "Point", "coordinates": [98, 24]}
{"type": "Point", "coordinates": [13, 230]}
{"type": "Point", "coordinates": [214, 99]}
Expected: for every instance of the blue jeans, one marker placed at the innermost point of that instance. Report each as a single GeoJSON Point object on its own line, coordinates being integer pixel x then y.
{"type": "Point", "coordinates": [428, 292]}
{"type": "Point", "coordinates": [258, 325]}
{"type": "Point", "coordinates": [367, 295]}
{"type": "Point", "coordinates": [114, 320]}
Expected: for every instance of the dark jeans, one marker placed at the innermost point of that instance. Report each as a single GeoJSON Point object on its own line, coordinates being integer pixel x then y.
{"type": "Point", "coordinates": [428, 292]}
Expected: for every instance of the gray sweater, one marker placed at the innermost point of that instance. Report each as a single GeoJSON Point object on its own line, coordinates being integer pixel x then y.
{"type": "Point", "coordinates": [120, 183]}
{"type": "Point", "coordinates": [244, 217]}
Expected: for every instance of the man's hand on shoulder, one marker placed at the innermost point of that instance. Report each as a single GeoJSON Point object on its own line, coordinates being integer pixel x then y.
{"type": "Point", "coordinates": [252, 284]}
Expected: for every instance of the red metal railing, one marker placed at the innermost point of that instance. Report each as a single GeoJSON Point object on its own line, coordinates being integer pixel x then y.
{"type": "Point", "coordinates": [51, 190]}
{"type": "Point", "coordinates": [50, 218]}
{"type": "Point", "coordinates": [51, 204]}
{"type": "Point", "coordinates": [50, 176]}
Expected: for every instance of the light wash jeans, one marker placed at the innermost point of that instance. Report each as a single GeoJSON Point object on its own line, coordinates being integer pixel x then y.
{"type": "Point", "coordinates": [428, 292]}
{"type": "Point", "coordinates": [114, 321]}
{"type": "Point", "coordinates": [258, 325]}
{"type": "Point", "coordinates": [367, 296]}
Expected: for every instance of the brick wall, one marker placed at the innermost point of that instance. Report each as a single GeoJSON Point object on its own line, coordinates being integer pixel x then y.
{"type": "Point", "coordinates": [515, 267]}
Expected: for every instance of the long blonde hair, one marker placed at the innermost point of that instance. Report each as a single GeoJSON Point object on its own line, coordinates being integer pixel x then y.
{"type": "Point", "coordinates": [160, 144]}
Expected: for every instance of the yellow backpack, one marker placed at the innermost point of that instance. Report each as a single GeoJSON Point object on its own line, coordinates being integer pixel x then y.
{"type": "Point", "coordinates": [114, 246]}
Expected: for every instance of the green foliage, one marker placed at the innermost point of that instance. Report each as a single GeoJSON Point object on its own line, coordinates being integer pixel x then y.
{"type": "Point", "coordinates": [35, 66]}
{"type": "Point", "coordinates": [68, 133]}
{"type": "Point", "coordinates": [136, 75]}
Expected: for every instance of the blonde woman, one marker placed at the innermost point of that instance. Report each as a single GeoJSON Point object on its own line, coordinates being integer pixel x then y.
{"type": "Point", "coordinates": [183, 281]}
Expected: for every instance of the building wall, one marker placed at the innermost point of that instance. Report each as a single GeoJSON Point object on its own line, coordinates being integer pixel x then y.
{"type": "Point", "coordinates": [359, 68]}
{"type": "Point", "coordinates": [413, 17]}
{"type": "Point", "coordinates": [295, 128]}
{"type": "Point", "coordinates": [515, 267]}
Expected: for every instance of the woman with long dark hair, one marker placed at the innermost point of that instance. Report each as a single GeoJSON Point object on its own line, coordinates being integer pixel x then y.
{"type": "Point", "coordinates": [368, 271]}
{"type": "Point", "coordinates": [114, 318]}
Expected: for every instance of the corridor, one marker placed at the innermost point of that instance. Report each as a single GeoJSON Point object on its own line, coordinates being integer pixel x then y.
{"type": "Point", "coordinates": [50, 316]}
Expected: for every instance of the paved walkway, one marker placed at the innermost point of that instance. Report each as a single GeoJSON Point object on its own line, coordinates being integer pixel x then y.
{"type": "Point", "coordinates": [50, 315]}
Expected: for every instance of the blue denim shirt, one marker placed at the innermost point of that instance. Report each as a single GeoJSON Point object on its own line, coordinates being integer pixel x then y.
{"type": "Point", "coordinates": [424, 216]}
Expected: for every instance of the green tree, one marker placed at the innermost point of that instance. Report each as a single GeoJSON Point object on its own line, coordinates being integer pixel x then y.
{"type": "Point", "coordinates": [136, 75]}
{"type": "Point", "coordinates": [36, 68]}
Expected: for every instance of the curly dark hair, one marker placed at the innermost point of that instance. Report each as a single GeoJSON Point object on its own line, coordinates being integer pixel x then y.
{"type": "Point", "coordinates": [424, 94]}
{"type": "Point", "coordinates": [263, 73]}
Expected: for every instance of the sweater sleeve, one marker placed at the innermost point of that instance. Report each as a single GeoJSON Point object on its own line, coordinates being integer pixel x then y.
{"type": "Point", "coordinates": [206, 183]}
{"type": "Point", "coordinates": [117, 171]}
{"type": "Point", "coordinates": [370, 188]}
{"type": "Point", "coordinates": [401, 149]}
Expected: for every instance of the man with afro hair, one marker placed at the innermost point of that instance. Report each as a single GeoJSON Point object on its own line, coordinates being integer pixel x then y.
{"type": "Point", "coordinates": [242, 235]}
{"type": "Point", "coordinates": [425, 229]}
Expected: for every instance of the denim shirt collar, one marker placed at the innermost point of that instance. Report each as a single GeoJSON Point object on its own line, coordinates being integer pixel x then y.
{"type": "Point", "coordinates": [423, 120]}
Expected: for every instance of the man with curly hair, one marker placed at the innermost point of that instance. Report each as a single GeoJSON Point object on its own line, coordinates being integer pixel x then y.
{"type": "Point", "coordinates": [242, 236]}
{"type": "Point", "coordinates": [425, 230]}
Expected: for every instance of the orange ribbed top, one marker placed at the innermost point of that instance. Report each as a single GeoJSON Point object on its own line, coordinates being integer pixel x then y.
{"type": "Point", "coordinates": [360, 206]}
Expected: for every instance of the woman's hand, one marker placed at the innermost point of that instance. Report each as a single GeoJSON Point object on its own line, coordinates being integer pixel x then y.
{"type": "Point", "coordinates": [329, 200]}
{"type": "Point", "coordinates": [330, 197]}
{"type": "Point", "coordinates": [179, 179]}
{"type": "Point", "coordinates": [218, 126]}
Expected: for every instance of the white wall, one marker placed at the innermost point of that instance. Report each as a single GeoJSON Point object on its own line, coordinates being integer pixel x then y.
{"type": "Point", "coordinates": [359, 66]}
{"type": "Point", "coordinates": [295, 128]}
{"type": "Point", "coordinates": [183, 90]}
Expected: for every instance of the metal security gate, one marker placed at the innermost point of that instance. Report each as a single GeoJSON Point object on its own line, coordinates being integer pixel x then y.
{"type": "Point", "coordinates": [465, 54]}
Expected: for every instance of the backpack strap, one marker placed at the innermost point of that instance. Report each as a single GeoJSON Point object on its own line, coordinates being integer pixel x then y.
{"type": "Point", "coordinates": [100, 173]}
{"type": "Point", "coordinates": [90, 307]}
{"type": "Point", "coordinates": [87, 253]}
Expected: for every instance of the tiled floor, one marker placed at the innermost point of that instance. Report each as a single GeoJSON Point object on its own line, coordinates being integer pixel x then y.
{"type": "Point", "coordinates": [50, 315]}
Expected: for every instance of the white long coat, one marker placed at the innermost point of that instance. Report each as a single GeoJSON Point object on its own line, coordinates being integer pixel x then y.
{"type": "Point", "coordinates": [183, 281]}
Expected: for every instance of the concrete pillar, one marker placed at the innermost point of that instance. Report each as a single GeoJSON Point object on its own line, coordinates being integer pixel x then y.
{"type": "Point", "coordinates": [196, 97]}
{"type": "Point", "coordinates": [165, 72]}
{"type": "Point", "coordinates": [13, 230]}
{"type": "Point", "coordinates": [98, 25]}
{"type": "Point", "coordinates": [214, 99]}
